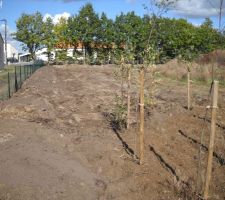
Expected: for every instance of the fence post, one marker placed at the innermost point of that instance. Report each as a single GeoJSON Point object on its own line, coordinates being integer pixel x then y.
{"type": "Point", "coordinates": [27, 72]}
{"type": "Point", "coordinates": [141, 130]}
{"type": "Point", "coordinates": [16, 82]}
{"type": "Point", "coordinates": [9, 93]}
{"type": "Point", "coordinates": [20, 77]}
{"type": "Point", "coordinates": [212, 139]}
{"type": "Point", "coordinates": [27, 69]}
{"type": "Point", "coordinates": [24, 72]}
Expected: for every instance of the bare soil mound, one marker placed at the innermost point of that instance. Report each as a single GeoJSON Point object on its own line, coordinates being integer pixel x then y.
{"type": "Point", "coordinates": [56, 141]}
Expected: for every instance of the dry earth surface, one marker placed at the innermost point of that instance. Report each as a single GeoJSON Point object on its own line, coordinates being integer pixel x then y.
{"type": "Point", "coordinates": [57, 142]}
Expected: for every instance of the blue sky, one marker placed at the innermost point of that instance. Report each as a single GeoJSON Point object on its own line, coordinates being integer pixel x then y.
{"type": "Point", "coordinates": [193, 10]}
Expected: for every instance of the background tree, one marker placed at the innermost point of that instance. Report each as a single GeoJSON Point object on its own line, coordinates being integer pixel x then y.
{"type": "Point", "coordinates": [105, 38]}
{"type": "Point", "coordinates": [30, 32]}
{"type": "Point", "coordinates": [206, 37]}
{"type": "Point", "coordinates": [73, 34]}
{"type": "Point", "coordinates": [49, 40]}
{"type": "Point", "coordinates": [61, 33]}
{"type": "Point", "coordinates": [87, 29]}
{"type": "Point", "coordinates": [127, 34]}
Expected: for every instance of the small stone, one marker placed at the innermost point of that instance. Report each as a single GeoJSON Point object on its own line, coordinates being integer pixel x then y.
{"type": "Point", "coordinates": [99, 170]}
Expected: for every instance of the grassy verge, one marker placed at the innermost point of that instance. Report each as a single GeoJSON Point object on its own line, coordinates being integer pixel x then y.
{"type": "Point", "coordinates": [17, 75]}
{"type": "Point", "coordinates": [183, 81]}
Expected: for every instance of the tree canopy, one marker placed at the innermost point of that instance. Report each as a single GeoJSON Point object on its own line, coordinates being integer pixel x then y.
{"type": "Point", "coordinates": [128, 32]}
{"type": "Point", "coordinates": [30, 32]}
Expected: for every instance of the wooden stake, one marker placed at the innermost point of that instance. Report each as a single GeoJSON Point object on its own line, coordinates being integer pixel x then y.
{"type": "Point", "coordinates": [212, 139]}
{"type": "Point", "coordinates": [141, 131]}
{"type": "Point", "coordinates": [188, 91]}
{"type": "Point", "coordinates": [128, 95]}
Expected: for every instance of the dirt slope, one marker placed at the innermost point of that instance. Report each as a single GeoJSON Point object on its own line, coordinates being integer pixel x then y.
{"type": "Point", "coordinates": [57, 143]}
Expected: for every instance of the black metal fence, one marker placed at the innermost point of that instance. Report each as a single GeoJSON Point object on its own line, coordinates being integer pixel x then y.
{"type": "Point", "coordinates": [12, 78]}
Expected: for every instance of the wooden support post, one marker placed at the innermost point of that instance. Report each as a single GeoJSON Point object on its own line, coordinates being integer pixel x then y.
{"type": "Point", "coordinates": [188, 91]}
{"type": "Point", "coordinates": [212, 139]}
{"type": "Point", "coordinates": [9, 92]}
{"type": "Point", "coordinates": [141, 130]}
{"type": "Point", "coordinates": [128, 95]}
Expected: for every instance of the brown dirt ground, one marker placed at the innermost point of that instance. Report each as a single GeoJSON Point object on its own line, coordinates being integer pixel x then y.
{"type": "Point", "coordinates": [56, 141]}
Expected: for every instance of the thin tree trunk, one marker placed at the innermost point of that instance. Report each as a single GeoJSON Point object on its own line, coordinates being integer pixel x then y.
{"type": "Point", "coordinates": [141, 130]}
{"type": "Point", "coordinates": [84, 54]}
{"type": "Point", "coordinates": [188, 91]}
{"type": "Point", "coordinates": [122, 83]}
{"type": "Point", "coordinates": [128, 95]}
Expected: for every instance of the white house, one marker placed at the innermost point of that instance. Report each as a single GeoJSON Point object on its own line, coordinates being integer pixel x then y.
{"type": "Point", "coordinates": [12, 52]}
{"type": "Point", "coordinates": [41, 54]}
{"type": "Point", "coordinates": [25, 57]}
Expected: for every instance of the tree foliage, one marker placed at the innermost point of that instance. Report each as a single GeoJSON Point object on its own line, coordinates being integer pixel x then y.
{"type": "Point", "coordinates": [49, 39]}
{"type": "Point", "coordinates": [30, 32]}
{"type": "Point", "coordinates": [129, 35]}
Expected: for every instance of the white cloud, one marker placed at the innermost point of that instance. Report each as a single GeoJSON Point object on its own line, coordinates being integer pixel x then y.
{"type": "Point", "coordinates": [198, 8]}
{"type": "Point", "coordinates": [57, 17]}
{"type": "Point", "coordinates": [66, 1]}
{"type": "Point", "coordinates": [131, 1]}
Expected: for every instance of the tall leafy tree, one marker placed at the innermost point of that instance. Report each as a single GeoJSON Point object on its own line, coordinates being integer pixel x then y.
{"type": "Point", "coordinates": [73, 34]}
{"type": "Point", "coordinates": [49, 40]}
{"type": "Point", "coordinates": [87, 29]}
{"type": "Point", "coordinates": [30, 32]}
{"type": "Point", "coordinates": [105, 37]}
{"type": "Point", "coordinates": [175, 37]}
{"type": "Point", "coordinates": [62, 39]}
{"type": "Point", "coordinates": [61, 33]}
{"type": "Point", "coordinates": [207, 38]}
